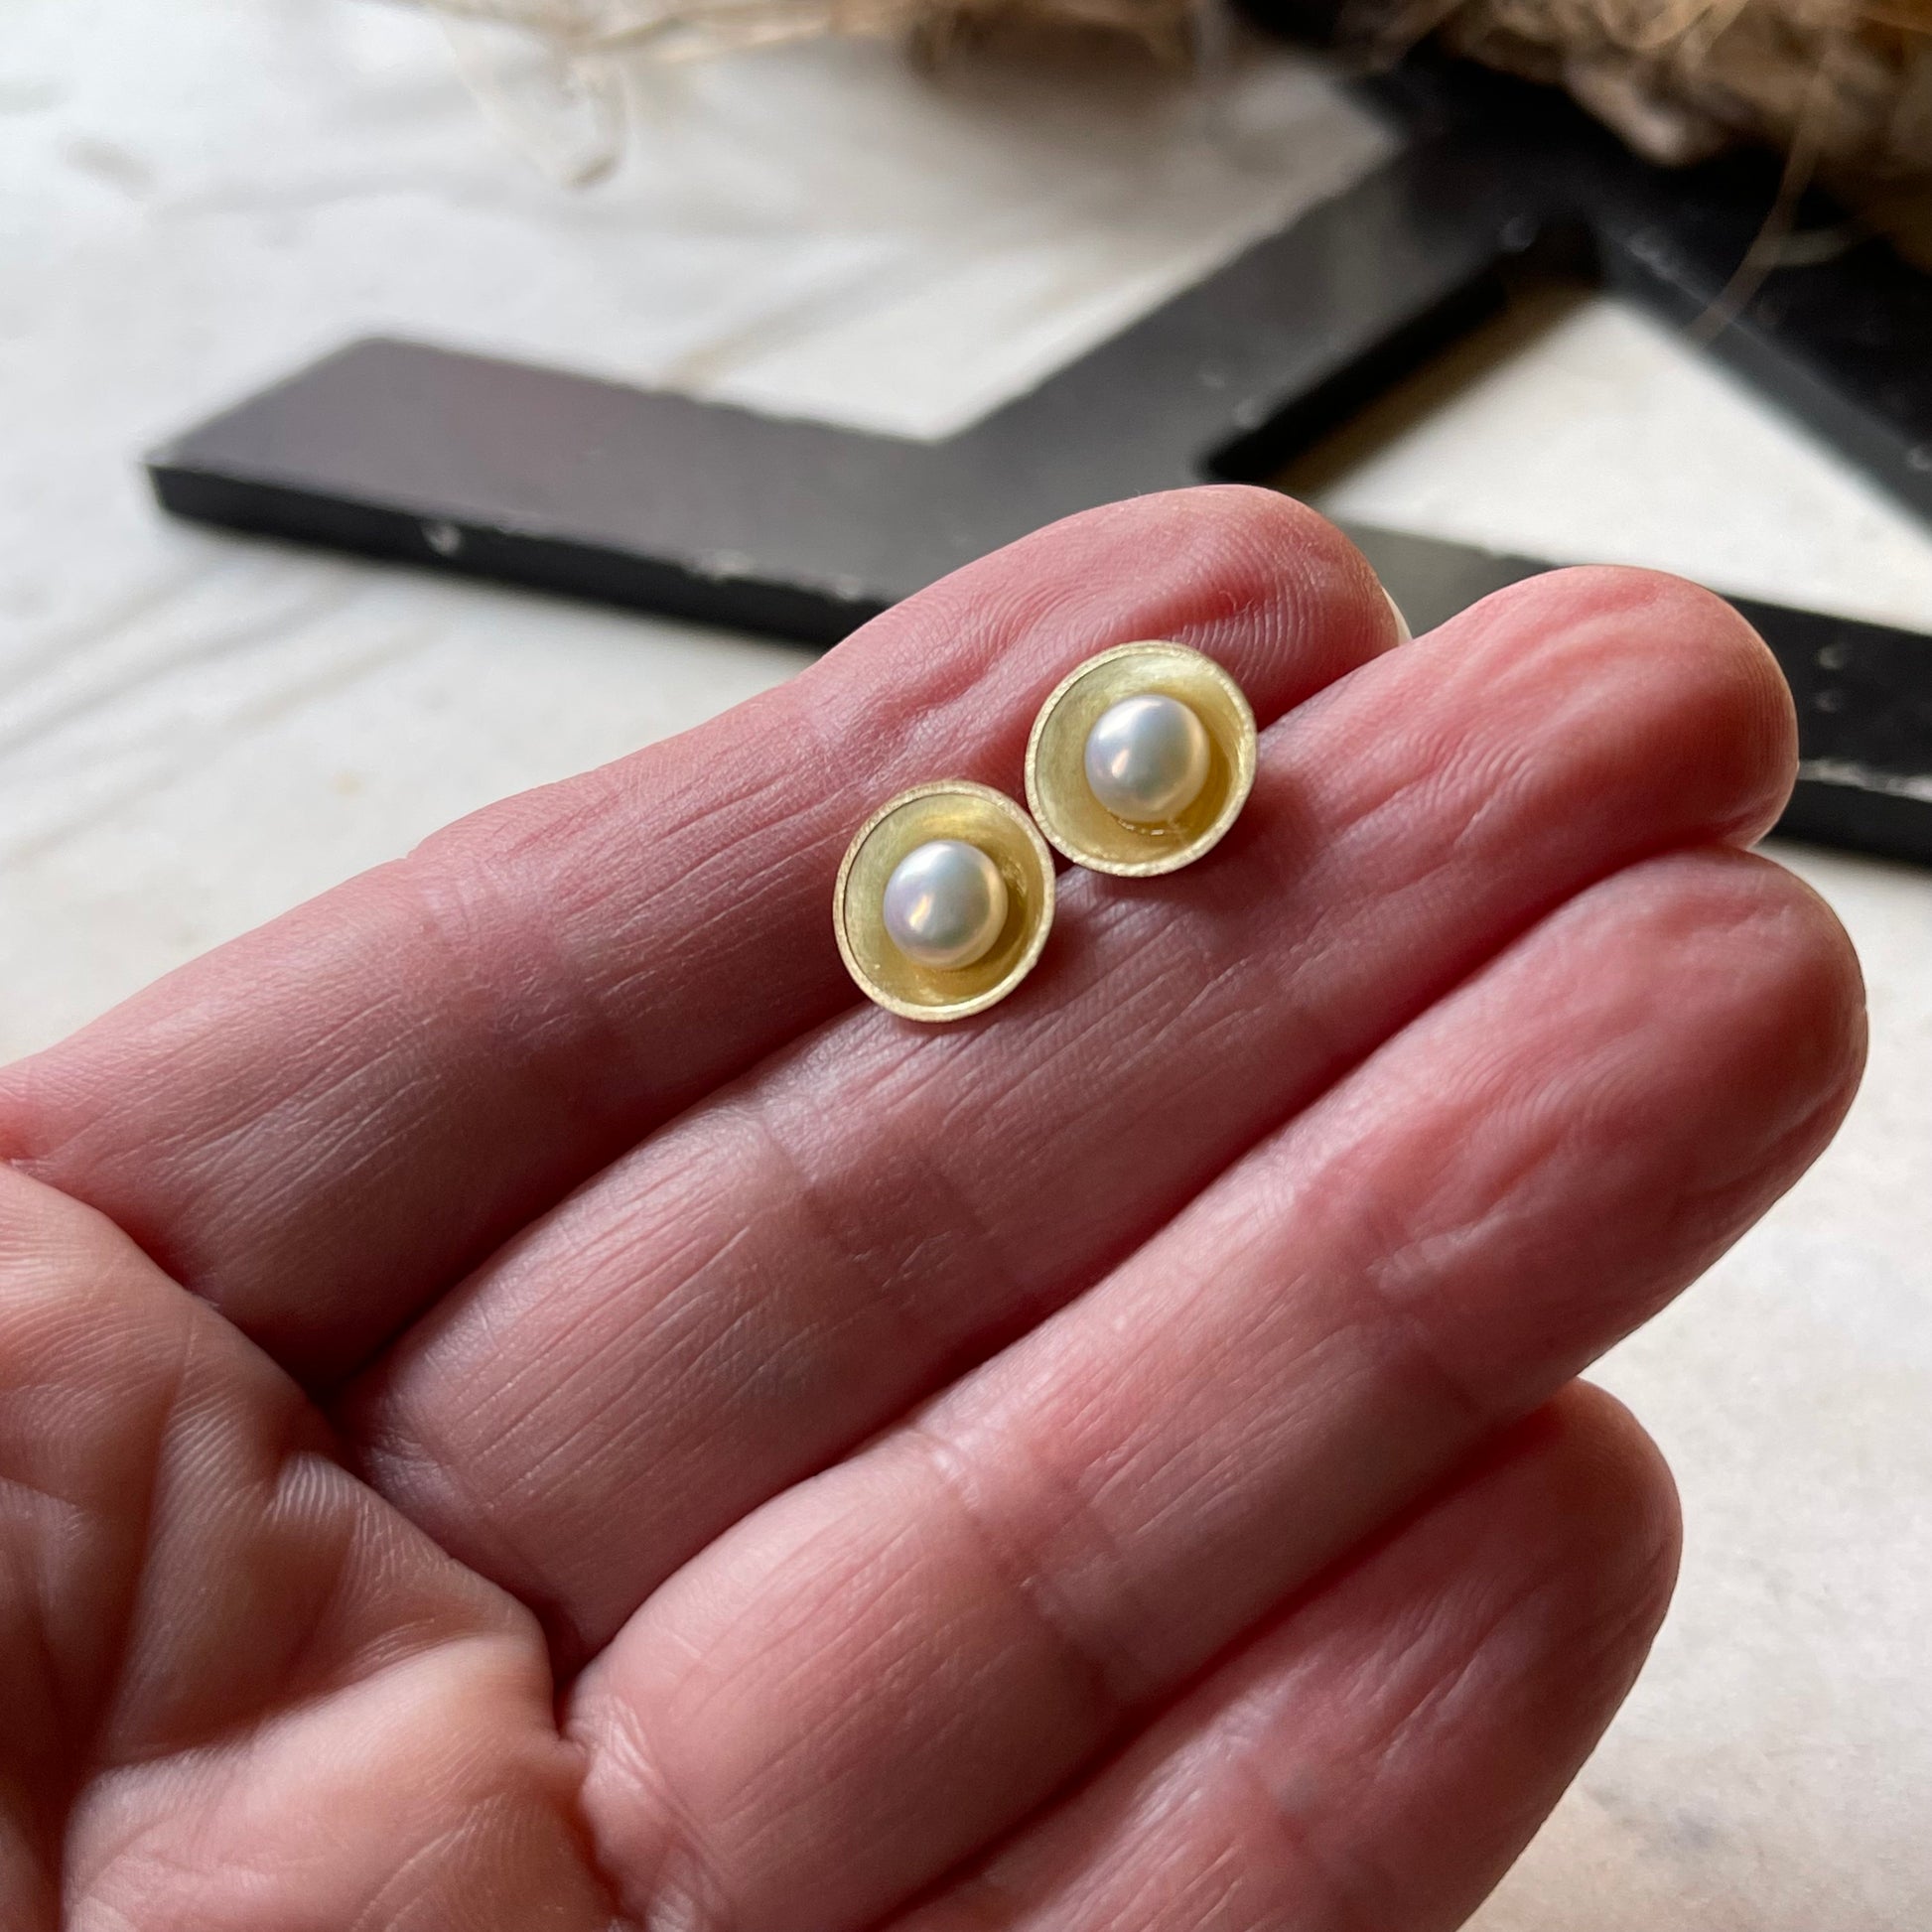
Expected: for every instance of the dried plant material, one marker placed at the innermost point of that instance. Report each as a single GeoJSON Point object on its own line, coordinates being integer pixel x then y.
{"type": "Point", "coordinates": [563, 108]}
{"type": "Point", "coordinates": [675, 30]}
{"type": "Point", "coordinates": [1842, 87]}
{"type": "Point", "coordinates": [1681, 79]}
{"type": "Point", "coordinates": [549, 72]}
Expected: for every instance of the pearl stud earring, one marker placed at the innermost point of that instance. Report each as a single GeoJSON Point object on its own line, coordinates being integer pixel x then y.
{"type": "Point", "coordinates": [944, 901]}
{"type": "Point", "coordinates": [1141, 759]}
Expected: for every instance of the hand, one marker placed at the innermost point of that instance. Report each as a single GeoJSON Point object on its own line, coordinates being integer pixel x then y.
{"type": "Point", "coordinates": [1110, 1467]}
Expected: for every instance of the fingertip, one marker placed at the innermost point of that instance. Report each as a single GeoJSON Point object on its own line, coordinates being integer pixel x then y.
{"type": "Point", "coordinates": [1815, 995]}
{"type": "Point", "coordinates": [1787, 1030]}
{"type": "Point", "coordinates": [1703, 693]}
{"type": "Point", "coordinates": [1259, 582]}
{"type": "Point", "coordinates": [1326, 603]}
{"type": "Point", "coordinates": [1613, 1507]}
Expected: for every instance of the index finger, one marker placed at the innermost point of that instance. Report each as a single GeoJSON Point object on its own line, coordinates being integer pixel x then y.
{"type": "Point", "coordinates": [322, 1125]}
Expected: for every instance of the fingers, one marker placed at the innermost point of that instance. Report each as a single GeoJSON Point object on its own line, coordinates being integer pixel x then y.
{"type": "Point", "coordinates": [784, 1269]}
{"type": "Point", "coordinates": [1381, 1754]}
{"type": "Point", "coordinates": [413, 1065]}
{"type": "Point", "coordinates": [1074, 1530]}
{"type": "Point", "coordinates": [240, 1690]}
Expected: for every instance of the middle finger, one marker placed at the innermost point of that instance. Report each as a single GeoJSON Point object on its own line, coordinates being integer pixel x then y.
{"type": "Point", "coordinates": [792, 1262]}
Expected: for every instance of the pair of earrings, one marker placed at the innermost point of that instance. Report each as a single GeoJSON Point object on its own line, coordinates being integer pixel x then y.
{"type": "Point", "coordinates": [1139, 760]}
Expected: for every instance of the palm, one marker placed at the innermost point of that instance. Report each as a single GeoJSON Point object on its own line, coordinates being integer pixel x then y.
{"type": "Point", "coordinates": [811, 1472]}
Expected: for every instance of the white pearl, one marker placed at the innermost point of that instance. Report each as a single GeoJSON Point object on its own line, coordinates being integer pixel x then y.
{"type": "Point", "coordinates": [1148, 758]}
{"type": "Point", "coordinates": [945, 903]}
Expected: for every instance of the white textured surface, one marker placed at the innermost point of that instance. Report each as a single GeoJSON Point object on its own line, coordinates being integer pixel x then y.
{"type": "Point", "coordinates": [195, 732]}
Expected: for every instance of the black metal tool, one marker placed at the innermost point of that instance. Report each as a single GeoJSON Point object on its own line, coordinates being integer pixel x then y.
{"type": "Point", "coordinates": [646, 498]}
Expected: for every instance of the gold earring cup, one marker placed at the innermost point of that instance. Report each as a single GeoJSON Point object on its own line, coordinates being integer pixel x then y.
{"type": "Point", "coordinates": [980, 817]}
{"type": "Point", "coordinates": [1075, 822]}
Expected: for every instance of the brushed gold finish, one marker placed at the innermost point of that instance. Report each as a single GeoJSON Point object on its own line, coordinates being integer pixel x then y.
{"type": "Point", "coordinates": [1074, 820]}
{"type": "Point", "coordinates": [953, 810]}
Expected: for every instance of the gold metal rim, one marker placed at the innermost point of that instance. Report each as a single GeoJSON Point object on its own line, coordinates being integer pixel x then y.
{"type": "Point", "coordinates": [1075, 822]}
{"type": "Point", "coordinates": [947, 808]}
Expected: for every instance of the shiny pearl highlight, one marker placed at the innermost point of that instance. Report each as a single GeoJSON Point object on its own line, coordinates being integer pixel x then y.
{"type": "Point", "coordinates": [946, 904]}
{"type": "Point", "coordinates": [1146, 759]}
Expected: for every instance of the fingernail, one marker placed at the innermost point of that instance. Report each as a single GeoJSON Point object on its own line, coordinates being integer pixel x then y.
{"type": "Point", "coordinates": [1403, 635]}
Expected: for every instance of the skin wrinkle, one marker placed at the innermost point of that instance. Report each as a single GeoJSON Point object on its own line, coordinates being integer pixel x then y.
{"type": "Point", "coordinates": [797, 1586]}
{"type": "Point", "coordinates": [759, 1112]}
{"type": "Point", "coordinates": [891, 1683]}
{"type": "Point", "coordinates": [1198, 1503]}
{"type": "Point", "coordinates": [1633, 1617]}
{"type": "Point", "coordinates": [1191, 550]}
{"type": "Point", "coordinates": [42, 1166]}
{"type": "Point", "coordinates": [752, 896]}
{"type": "Point", "coordinates": [1221, 1885]}
{"type": "Point", "coordinates": [211, 1755]}
{"type": "Point", "coordinates": [1187, 985]}
{"type": "Point", "coordinates": [723, 1751]}
{"type": "Point", "coordinates": [463, 901]}
{"type": "Point", "coordinates": [893, 1278]}
{"type": "Point", "coordinates": [684, 1844]}
{"type": "Point", "coordinates": [373, 1915]}
{"type": "Point", "coordinates": [1703, 1202]}
{"type": "Point", "coordinates": [223, 1757]}
{"type": "Point", "coordinates": [1343, 1912]}
{"type": "Point", "coordinates": [1212, 537]}
{"type": "Point", "coordinates": [1195, 972]}
{"type": "Point", "coordinates": [442, 925]}
{"type": "Point", "coordinates": [317, 1624]}
{"type": "Point", "coordinates": [209, 1417]}
{"type": "Point", "coordinates": [1068, 1041]}
{"type": "Point", "coordinates": [1150, 998]}
{"type": "Point", "coordinates": [190, 1461]}
{"type": "Point", "coordinates": [1319, 1652]}
{"type": "Point", "coordinates": [683, 1344]}
{"type": "Point", "coordinates": [1399, 1312]}
{"type": "Point", "coordinates": [366, 1543]}
{"type": "Point", "coordinates": [550, 1619]}
{"type": "Point", "coordinates": [1440, 1693]}
{"type": "Point", "coordinates": [483, 1819]}
{"type": "Point", "coordinates": [890, 1277]}
{"type": "Point", "coordinates": [117, 1652]}
{"type": "Point", "coordinates": [593, 815]}
{"type": "Point", "coordinates": [1371, 1331]}
{"type": "Point", "coordinates": [995, 1891]}
{"type": "Point", "coordinates": [412, 1469]}
{"type": "Point", "coordinates": [42, 1812]}
{"type": "Point", "coordinates": [1423, 764]}
{"type": "Point", "coordinates": [1083, 1522]}
{"type": "Point", "coordinates": [1416, 1260]}
{"type": "Point", "coordinates": [1077, 1039]}
{"type": "Point", "coordinates": [1093, 1666]}
{"type": "Point", "coordinates": [717, 1346]}
{"type": "Point", "coordinates": [1619, 1621]}
{"type": "Point", "coordinates": [1503, 986]}
{"type": "Point", "coordinates": [1707, 1213]}
{"type": "Point", "coordinates": [282, 1183]}
{"type": "Point", "coordinates": [617, 1240]}
{"type": "Point", "coordinates": [682, 1889]}
{"type": "Point", "coordinates": [1316, 1386]}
